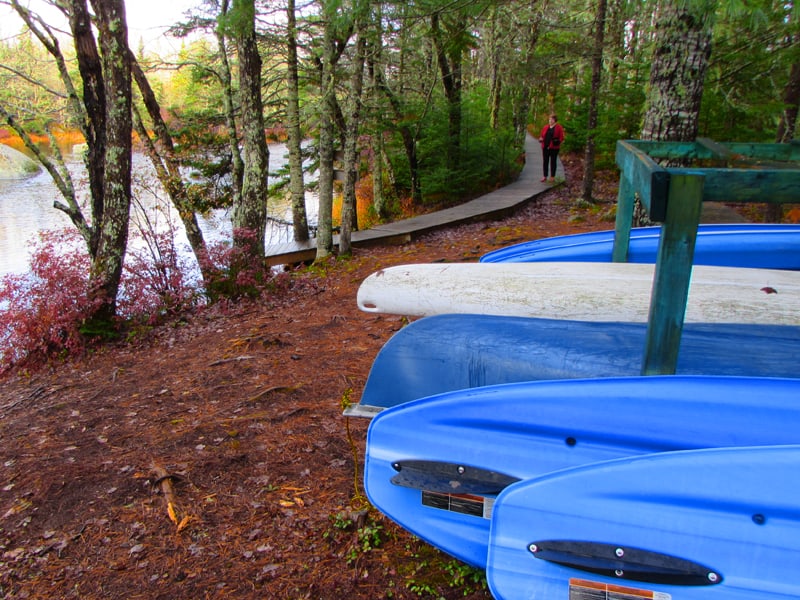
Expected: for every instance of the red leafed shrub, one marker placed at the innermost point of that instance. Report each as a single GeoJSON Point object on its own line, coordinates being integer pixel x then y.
{"type": "Point", "coordinates": [41, 312]}
{"type": "Point", "coordinates": [232, 272]}
{"type": "Point", "coordinates": [154, 280]}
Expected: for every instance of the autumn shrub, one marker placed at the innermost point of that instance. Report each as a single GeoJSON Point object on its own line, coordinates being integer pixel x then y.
{"type": "Point", "coordinates": [41, 311]}
{"type": "Point", "coordinates": [232, 272]}
{"type": "Point", "coordinates": [155, 279]}
{"type": "Point", "coordinates": [365, 210]}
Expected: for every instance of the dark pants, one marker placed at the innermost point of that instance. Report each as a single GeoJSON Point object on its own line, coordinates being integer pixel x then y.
{"type": "Point", "coordinates": [549, 157]}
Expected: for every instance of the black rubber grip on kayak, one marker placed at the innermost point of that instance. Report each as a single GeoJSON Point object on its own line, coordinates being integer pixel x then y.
{"type": "Point", "coordinates": [623, 562]}
{"type": "Point", "coordinates": [449, 478]}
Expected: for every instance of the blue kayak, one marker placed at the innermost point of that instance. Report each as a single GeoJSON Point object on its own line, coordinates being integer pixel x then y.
{"type": "Point", "coordinates": [451, 352]}
{"type": "Point", "coordinates": [694, 525]}
{"type": "Point", "coordinates": [764, 246]}
{"type": "Point", "coordinates": [436, 465]}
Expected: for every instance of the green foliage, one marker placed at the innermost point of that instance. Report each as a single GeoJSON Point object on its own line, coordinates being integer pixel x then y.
{"type": "Point", "coordinates": [487, 157]}
{"type": "Point", "coordinates": [431, 572]}
{"type": "Point", "coordinates": [748, 72]}
{"type": "Point", "coordinates": [470, 579]}
{"type": "Point", "coordinates": [27, 83]}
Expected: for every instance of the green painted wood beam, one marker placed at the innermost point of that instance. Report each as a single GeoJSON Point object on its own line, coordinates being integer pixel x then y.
{"type": "Point", "coordinates": [674, 196]}
{"type": "Point", "coordinates": [749, 185]}
{"type": "Point", "coordinates": [717, 151]}
{"type": "Point", "coordinates": [781, 152]}
{"type": "Point", "coordinates": [624, 220]}
{"type": "Point", "coordinates": [672, 150]}
{"type": "Point", "coordinates": [672, 275]}
{"type": "Point", "coordinates": [646, 177]}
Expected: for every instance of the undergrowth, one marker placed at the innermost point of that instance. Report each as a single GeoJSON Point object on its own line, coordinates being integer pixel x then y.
{"type": "Point", "coordinates": [43, 312]}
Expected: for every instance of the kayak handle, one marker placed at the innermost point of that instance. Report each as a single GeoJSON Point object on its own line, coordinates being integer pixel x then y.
{"type": "Point", "coordinates": [623, 562]}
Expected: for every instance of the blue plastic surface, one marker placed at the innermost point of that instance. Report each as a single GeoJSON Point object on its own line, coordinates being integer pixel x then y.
{"type": "Point", "coordinates": [530, 429]}
{"type": "Point", "coordinates": [735, 510]}
{"type": "Point", "coordinates": [736, 245]}
{"type": "Point", "coordinates": [450, 352]}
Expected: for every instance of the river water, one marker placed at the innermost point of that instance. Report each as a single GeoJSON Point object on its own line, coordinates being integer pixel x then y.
{"type": "Point", "coordinates": [26, 208]}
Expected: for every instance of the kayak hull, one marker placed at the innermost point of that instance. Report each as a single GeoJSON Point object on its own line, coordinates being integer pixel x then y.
{"type": "Point", "coordinates": [464, 448]}
{"type": "Point", "coordinates": [732, 513]}
{"type": "Point", "coordinates": [768, 246]}
{"type": "Point", "coordinates": [451, 352]}
{"type": "Point", "coordinates": [579, 291]}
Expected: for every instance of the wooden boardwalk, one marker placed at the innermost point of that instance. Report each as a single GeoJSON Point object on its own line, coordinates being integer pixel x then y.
{"type": "Point", "coordinates": [493, 205]}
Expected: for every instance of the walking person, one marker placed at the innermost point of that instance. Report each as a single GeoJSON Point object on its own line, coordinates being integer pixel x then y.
{"type": "Point", "coordinates": [550, 138]}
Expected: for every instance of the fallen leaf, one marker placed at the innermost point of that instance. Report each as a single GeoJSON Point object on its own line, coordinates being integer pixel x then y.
{"type": "Point", "coordinates": [184, 523]}
{"type": "Point", "coordinates": [171, 512]}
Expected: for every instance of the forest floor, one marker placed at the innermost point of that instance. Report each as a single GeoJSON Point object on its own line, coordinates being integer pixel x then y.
{"type": "Point", "coordinates": [209, 458]}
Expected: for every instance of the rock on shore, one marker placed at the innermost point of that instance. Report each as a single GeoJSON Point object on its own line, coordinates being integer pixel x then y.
{"type": "Point", "coordinates": [15, 165]}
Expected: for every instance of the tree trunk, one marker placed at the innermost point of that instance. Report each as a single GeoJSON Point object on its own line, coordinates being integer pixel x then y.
{"type": "Point", "coordinates": [680, 59]}
{"type": "Point", "coordinates": [94, 101]}
{"type": "Point", "coordinates": [326, 152]}
{"type": "Point", "coordinates": [374, 62]}
{"type": "Point", "coordinates": [786, 129]}
{"type": "Point", "coordinates": [326, 134]}
{"type": "Point", "coordinates": [106, 269]}
{"type": "Point", "coordinates": [791, 102]}
{"type": "Point", "coordinates": [229, 106]}
{"type": "Point", "coordinates": [250, 215]}
{"type": "Point", "coordinates": [450, 65]}
{"type": "Point", "coordinates": [166, 166]}
{"type": "Point", "coordinates": [594, 94]}
{"type": "Point", "coordinates": [522, 106]}
{"type": "Point", "coordinates": [349, 209]}
{"type": "Point", "coordinates": [296, 183]}
{"type": "Point", "coordinates": [678, 70]}
{"type": "Point", "coordinates": [379, 203]}
{"type": "Point", "coordinates": [407, 135]}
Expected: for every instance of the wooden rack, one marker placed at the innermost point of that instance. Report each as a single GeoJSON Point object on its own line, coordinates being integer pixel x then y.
{"type": "Point", "coordinates": [731, 173]}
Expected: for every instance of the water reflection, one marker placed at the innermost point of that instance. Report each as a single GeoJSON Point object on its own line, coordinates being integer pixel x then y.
{"type": "Point", "coordinates": [26, 208]}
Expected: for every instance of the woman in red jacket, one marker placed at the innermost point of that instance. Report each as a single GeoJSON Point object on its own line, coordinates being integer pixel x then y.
{"type": "Point", "coordinates": [551, 138]}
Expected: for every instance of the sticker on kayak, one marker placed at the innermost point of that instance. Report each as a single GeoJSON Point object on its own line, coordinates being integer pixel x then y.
{"type": "Point", "coordinates": [582, 589]}
{"type": "Point", "coordinates": [465, 504]}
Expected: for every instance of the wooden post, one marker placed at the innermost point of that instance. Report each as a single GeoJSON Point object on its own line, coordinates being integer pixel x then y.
{"type": "Point", "coordinates": [622, 228]}
{"type": "Point", "coordinates": [673, 274]}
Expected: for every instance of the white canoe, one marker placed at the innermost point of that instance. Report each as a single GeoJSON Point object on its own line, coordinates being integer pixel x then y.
{"type": "Point", "coordinates": [579, 291]}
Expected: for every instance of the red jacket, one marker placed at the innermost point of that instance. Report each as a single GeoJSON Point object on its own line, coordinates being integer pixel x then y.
{"type": "Point", "coordinates": [558, 134]}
